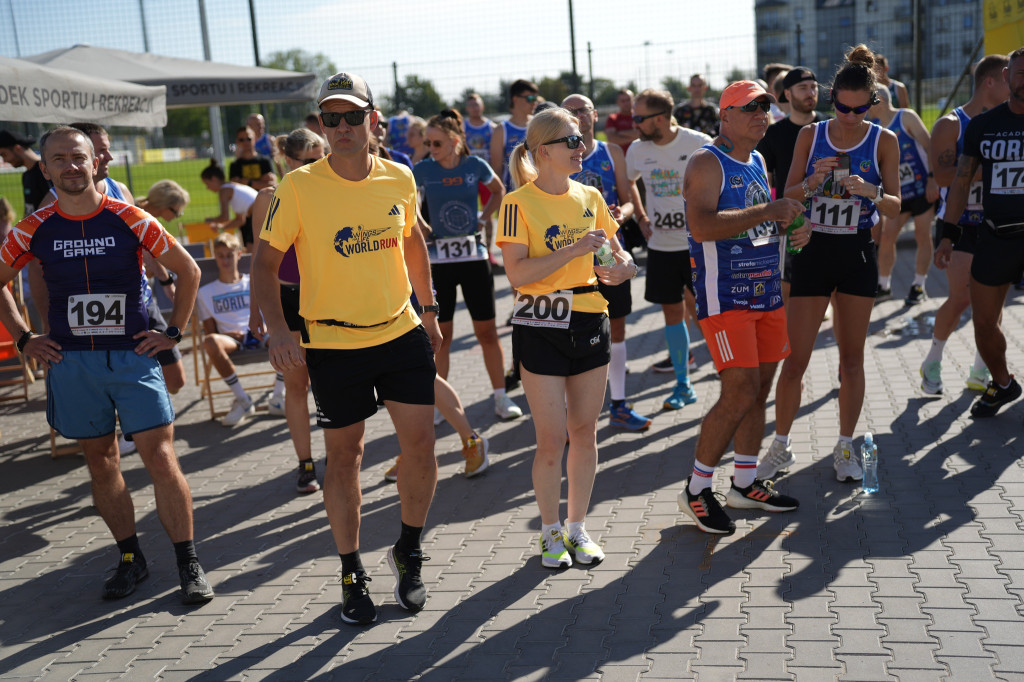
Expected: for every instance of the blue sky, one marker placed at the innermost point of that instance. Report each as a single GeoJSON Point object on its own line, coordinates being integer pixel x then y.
{"type": "Point", "coordinates": [457, 44]}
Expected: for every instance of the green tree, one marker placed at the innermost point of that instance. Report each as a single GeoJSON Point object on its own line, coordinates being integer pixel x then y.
{"type": "Point", "coordinates": [418, 96]}
{"type": "Point", "coordinates": [186, 123]}
{"type": "Point", "coordinates": [286, 116]}
{"type": "Point", "coordinates": [606, 91]}
{"type": "Point", "coordinates": [677, 88]}
{"type": "Point", "coordinates": [736, 74]}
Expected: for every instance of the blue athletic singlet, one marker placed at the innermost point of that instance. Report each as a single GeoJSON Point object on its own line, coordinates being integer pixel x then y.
{"type": "Point", "coordinates": [742, 272]}
{"type": "Point", "coordinates": [913, 169]}
{"type": "Point", "coordinates": [863, 162]}
{"type": "Point", "coordinates": [513, 136]}
{"type": "Point", "coordinates": [973, 215]}
{"type": "Point", "coordinates": [478, 139]}
{"type": "Point", "coordinates": [398, 131]}
{"type": "Point", "coordinates": [599, 171]}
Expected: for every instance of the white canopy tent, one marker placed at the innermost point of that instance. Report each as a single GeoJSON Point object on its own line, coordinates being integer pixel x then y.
{"type": "Point", "coordinates": [31, 92]}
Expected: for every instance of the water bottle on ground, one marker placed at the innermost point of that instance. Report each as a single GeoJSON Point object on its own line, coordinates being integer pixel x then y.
{"type": "Point", "coordinates": [869, 461]}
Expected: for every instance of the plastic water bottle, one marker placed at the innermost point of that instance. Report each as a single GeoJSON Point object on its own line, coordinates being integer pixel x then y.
{"type": "Point", "coordinates": [869, 460]}
{"type": "Point", "coordinates": [604, 255]}
{"type": "Point", "coordinates": [799, 222]}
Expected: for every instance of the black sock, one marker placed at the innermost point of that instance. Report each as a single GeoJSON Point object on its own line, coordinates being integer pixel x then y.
{"type": "Point", "coordinates": [131, 546]}
{"type": "Point", "coordinates": [185, 551]}
{"type": "Point", "coordinates": [410, 538]}
{"type": "Point", "coordinates": [304, 462]}
{"type": "Point", "coordinates": [351, 563]}
{"type": "Point", "coordinates": [618, 403]}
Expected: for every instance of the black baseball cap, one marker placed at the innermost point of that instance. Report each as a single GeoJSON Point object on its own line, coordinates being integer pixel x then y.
{"type": "Point", "coordinates": [797, 74]}
{"type": "Point", "coordinates": [9, 139]}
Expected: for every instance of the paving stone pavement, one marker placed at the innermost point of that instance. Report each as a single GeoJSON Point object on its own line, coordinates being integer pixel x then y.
{"type": "Point", "coordinates": [922, 581]}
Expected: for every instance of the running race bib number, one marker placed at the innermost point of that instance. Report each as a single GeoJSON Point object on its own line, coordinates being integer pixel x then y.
{"type": "Point", "coordinates": [545, 310]}
{"type": "Point", "coordinates": [1008, 177]}
{"type": "Point", "coordinates": [834, 216]}
{"type": "Point", "coordinates": [96, 314]}
{"type": "Point", "coordinates": [669, 221]}
{"type": "Point", "coordinates": [974, 195]}
{"type": "Point", "coordinates": [907, 175]}
{"type": "Point", "coordinates": [764, 233]}
{"type": "Point", "coordinates": [456, 249]}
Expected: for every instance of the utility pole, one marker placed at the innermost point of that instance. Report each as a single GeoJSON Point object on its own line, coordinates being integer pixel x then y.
{"type": "Point", "coordinates": [799, 50]}
{"type": "Point", "coordinates": [142, 20]}
{"type": "Point", "coordinates": [256, 53]}
{"type": "Point", "coordinates": [590, 70]}
{"type": "Point", "coordinates": [572, 48]}
{"type": "Point", "coordinates": [918, 76]}
{"type": "Point", "coordinates": [216, 129]}
{"type": "Point", "coordinates": [398, 88]}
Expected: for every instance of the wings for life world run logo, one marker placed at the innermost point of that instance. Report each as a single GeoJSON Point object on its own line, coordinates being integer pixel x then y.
{"type": "Point", "coordinates": [557, 236]}
{"type": "Point", "coordinates": [355, 240]}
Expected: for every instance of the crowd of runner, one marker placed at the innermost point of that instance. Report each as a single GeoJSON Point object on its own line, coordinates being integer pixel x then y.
{"type": "Point", "coordinates": [760, 217]}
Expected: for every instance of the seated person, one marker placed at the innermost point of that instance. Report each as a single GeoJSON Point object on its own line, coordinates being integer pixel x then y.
{"type": "Point", "coordinates": [223, 308]}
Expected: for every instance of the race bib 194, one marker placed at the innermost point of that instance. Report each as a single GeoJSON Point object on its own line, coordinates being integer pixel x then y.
{"type": "Point", "coordinates": [96, 314]}
{"type": "Point", "coordinates": [543, 310]}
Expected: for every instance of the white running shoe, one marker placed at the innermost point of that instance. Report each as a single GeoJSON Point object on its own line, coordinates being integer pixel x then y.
{"type": "Point", "coordinates": [275, 406]}
{"type": "Point", "coordinates": [552, 550]}
{"type": "Point", "coordinates": [846, 464]}
{"type": "Point", "coordinates": [239, 412]}
{"type": "Point", "coordinates": [125, 446]}
{"type": "Point", "coordinates": [582, 546]}
{"type": "Point", "coordinates": [978, 381]}
{"type": "Point", "coordinates": [779, 458]}
{"type": "Point", "coordinates": [506, 409]}
{"type": "Point", "coordinates": [931, 377]}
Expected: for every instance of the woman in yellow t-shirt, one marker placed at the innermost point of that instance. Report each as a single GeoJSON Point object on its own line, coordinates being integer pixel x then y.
{"type": "Point", "coordinates": [550, 230]}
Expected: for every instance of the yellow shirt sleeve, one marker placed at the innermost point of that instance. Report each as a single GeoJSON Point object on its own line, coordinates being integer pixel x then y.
{"type": "Point", "coordinates": [281, 226]}
{"type": "Point", "coordinates": [512, 226]}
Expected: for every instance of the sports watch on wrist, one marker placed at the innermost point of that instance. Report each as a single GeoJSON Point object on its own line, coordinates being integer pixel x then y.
{"type": "Point", "coordinates": [23, 339]}
{"type": "Point", "coordinates": [173, 333]}
{"type": "Point", "coordinates": [432, 308]}
{"type": "Point", "coordinates": [879, 193]}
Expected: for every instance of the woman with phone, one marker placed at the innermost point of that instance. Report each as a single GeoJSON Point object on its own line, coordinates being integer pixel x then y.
{"type": "Point", "coordinates": [846, 170]}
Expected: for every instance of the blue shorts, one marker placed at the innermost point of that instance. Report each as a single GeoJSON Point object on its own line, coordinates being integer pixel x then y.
{"type": "Point", "coordinates": [89, 389]}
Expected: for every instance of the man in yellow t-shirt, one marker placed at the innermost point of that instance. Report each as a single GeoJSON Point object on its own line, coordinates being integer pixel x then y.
{"type": "Point", "coordinates": [350, 217]}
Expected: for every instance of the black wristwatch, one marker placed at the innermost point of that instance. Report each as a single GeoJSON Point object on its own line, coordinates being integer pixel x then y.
{"type": "Point", "coordinates": [173, 333]}
{"type": "Point", "coordinates": [23, 339]}
{"type": "Point", "coordinates": [166, 282]}
{"type": "Point", "coordinates": [432, 308]}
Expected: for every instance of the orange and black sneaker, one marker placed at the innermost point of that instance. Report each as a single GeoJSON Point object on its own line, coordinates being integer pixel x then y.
{"type": "Point", "coordinates": [759, 495]}
{"type": "Point", "coordinates": [705, 509]}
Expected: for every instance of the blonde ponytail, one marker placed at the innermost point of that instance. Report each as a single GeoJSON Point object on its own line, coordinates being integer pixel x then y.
{"type": "Point", "coordinates": [520, 166]}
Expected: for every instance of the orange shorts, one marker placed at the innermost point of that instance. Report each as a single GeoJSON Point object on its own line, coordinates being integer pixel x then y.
{"type": "Point", "coordinates": [746, 338]}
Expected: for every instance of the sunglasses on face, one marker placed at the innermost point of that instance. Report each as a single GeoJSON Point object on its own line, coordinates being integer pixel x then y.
{"type": "Point", "coordinates": [529, 98]}
{"type": "Point", "coordinates": [244, 139]}
{"type": "Point", "coordinates": [178, 211]}
{"type": "Point", "coordinates": [641, 119]}
{"type": "Point", "coordinates": [749, 107]}
{"type": "Point", "coordinates": [578, 112]}
{"type": "Point", "coordinates": [331, 119]}
{"type": "Point", "coordinates": [571, 141]}
{"type": "Point", "coordinates": [843, 109]}
{"type": "Point", "coordinates": [436, 144]}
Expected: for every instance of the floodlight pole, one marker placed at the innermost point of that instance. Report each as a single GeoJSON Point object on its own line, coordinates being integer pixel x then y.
{"type": "Point", "coordinates": [216, 130]}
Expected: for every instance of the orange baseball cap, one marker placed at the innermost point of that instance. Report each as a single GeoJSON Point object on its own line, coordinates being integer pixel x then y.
{"type": "Point", "coordinates": [742, 92]}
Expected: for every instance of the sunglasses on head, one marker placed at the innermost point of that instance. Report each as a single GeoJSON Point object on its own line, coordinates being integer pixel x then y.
{"type": "Point", "coordinates": [332, 119]}
{"type": "Point", "coordinates": [763, 105]}
{"type": "Point", "coordinates": [571, 141]}
{"type": "Point", "coordinates": [641, 119]}
{"type": "Point", "coordinates": [843, 109]}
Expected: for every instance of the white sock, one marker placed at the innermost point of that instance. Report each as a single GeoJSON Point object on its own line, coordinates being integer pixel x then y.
{"type": "Point", "coordinates": [499, 393]}
{"type": "Point", "coordinates": [885, 282]}
{"type": "Point", "coordinates": [979, 364]}
{"type": "Point", "coordinates": [278, 386]}
{"type": "Point", "coordinates": [546, 528]}
{"type": "Point", "coordinates": [701, 478]}
{"type": "Point", "coordinates": [846, 440]}
{"type": "Point", "coordinates": [572, 527]}
{"type": "Point", "coordinates": [617, 371]}
{"type": "Point", "coordinates": [782, 439]}
{"type": "Point", "coordinates": [744, 470]}
{"type": "Point", "coordinates": [920, 279]}
{"type": "Point", "coordinates": [236, 387]}
{"type": "Point", "coordinates": [935, 352]}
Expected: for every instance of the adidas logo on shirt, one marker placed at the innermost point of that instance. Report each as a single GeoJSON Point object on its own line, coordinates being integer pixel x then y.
{"type": "Point", "coordinates": [588, 213]}
{"type": "Point", "coordinates": [394, 210]}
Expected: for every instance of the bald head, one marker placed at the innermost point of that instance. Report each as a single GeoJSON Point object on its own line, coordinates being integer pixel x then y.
{"type": "Point", "coordinates": [582, 108]}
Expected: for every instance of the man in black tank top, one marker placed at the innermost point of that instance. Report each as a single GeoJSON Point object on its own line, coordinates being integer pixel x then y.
{"type": "Point", "coordinates": [994, 140]}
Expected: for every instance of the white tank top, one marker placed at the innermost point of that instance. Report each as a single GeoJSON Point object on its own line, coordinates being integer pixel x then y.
{"type": "Point", "coordinates": [242, 197]}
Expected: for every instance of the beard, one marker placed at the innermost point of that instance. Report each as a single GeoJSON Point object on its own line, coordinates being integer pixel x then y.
{"type": "Point", "coordinates": [654, 136]}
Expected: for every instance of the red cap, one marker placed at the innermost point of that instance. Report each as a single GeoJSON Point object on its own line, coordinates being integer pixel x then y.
{"type": "Point", "coordinates": [742, 92]}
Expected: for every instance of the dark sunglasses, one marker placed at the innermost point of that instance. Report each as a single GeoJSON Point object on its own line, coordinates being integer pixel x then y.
{"type": "Point", "coordinates": [178, 211]}
{"type": "Point", "coordinates": [843, 109]}
{"type": "Point", "coordinates": [433, 143]}
{"type": "Point", "coordinates": [571, 141]}
{"type": "Point", "coordinates": [331, 119]}
{"type": "Point", "coordinates": [244, 139]}
{"type": "Point", "coordinates": [641, 119]}
{"type": "Point", "coordinates": [306, 162]}
{"type": "Point", "coordinates": [749, 107]}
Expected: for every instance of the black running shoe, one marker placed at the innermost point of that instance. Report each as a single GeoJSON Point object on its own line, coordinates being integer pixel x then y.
{"type": "Point", "coordinates": [663, 366]}
{"type": "Point", "coordinates": [916, 295]}
{"type": "Point", "coordinates": [130, 571]}
{"type": "Point", "coordinates": [195, 588]}
{"type": "Point", "coordinates": [994, 398]}
{"type": "Point", "coordinates": [759, 495]}
{"type": "Point", "coordinates": [882, 294]}
{"type": "Point", "coordinates": [410, 591]}
{"type": "Point", "coordinates": [356, 606]}
{"type": "Point", "coordinates": [705, 509]}
{"type": "Point", "coordinates": [512, 379]}
{"type": "Point", "coordinates": [307, 482]}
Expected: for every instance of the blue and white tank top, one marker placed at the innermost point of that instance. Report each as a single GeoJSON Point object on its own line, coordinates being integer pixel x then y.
{"type": "Point", "coordinates": [741, 272]}
{"type": "Point", "coordinates": [973, 215]}
{"type": "Point", "coordinates": [599, 171]}
{"type": "Point", "coordinates": [478, 139]}
{"type": "Point", "coordinates": [913, 168]}
{"type": "Point", "coordinates": [832, 209]}
{"type": "Point", "coordinates": [398, 132]}
{"type": "Point", "coordinates": [513, 136]}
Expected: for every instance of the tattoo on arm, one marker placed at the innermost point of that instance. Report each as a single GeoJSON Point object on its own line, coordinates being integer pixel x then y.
{"type": "Point", "coordinates": [966, 167]}
{"type": "Point", "coordinates": [947, 159]}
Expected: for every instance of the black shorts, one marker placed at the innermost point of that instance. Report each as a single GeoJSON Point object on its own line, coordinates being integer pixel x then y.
{"type": "Point", "coordinates": [845, 263]}
{"type": "Point", "coordinates": [968, 238]}
{"type": "Point", "coordinates": [787, 265]}
{"type": "Point", "coordinates": [290, 306]}
{"type": "Point", "coordinates": [344, 381]}
{"type": "Point", "coordinates": [916, 206]}
{"type": "Point", "coordinates": [246, 231]}
{"type": "Point", "coordinates": [586, 344]}
{"type": "Point", "coordinates": [619, 297]}
{"type": "Point", "coordinates": [477, 284]}
{"type": "Point", "coordinates": [157, 323]}
{"type": "Point", "coordinates": [997, 260]}
{"type": "Point", "coordinates": [667, 273]}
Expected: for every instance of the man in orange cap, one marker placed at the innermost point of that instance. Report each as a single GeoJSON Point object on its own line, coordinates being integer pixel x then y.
{"type": "Point", "coordinates": [735, 234]}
